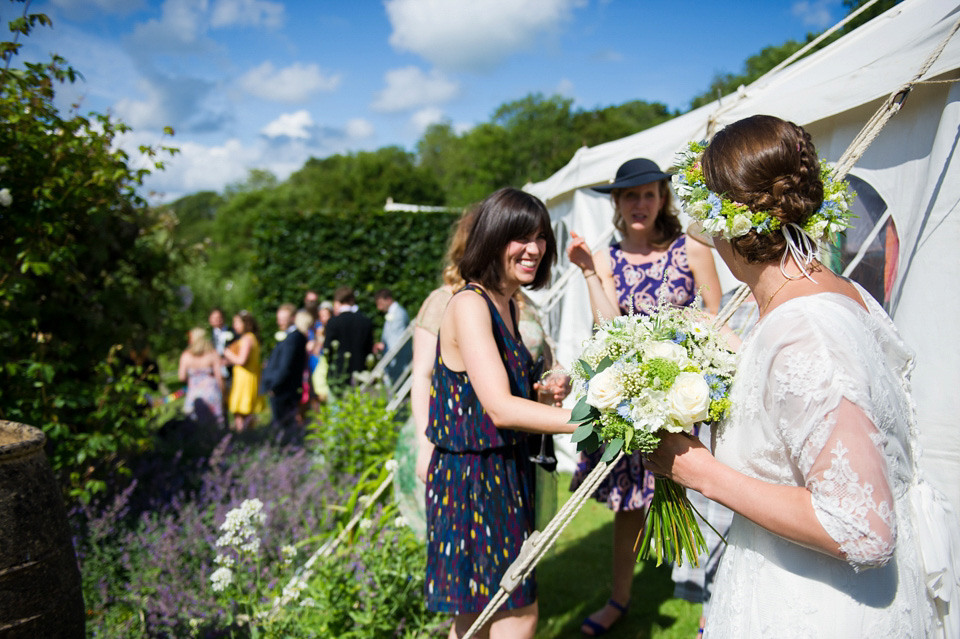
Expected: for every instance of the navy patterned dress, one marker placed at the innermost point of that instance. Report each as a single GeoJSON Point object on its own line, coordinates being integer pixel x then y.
{"type": "Point", "coordinates": [480, 485]}
{"type": "Point", "coordinates": [628, 486]}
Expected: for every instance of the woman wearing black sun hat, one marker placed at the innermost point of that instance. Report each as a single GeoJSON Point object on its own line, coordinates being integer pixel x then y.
{"type": "Point", "coordinates": [625, 278]}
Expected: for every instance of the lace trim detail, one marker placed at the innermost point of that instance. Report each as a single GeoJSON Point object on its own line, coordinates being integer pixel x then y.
{"type": "Point", "coordinates": [844, 507]}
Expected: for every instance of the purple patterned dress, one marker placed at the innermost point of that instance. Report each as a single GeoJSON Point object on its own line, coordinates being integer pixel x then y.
{"type": "Point", "coordinates": [628, 486]}
{"type": "Point", "coordinates": [480, 485]}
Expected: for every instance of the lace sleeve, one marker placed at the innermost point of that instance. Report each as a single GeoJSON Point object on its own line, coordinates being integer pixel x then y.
{"type": "Point", "coordinates": [816, 392]}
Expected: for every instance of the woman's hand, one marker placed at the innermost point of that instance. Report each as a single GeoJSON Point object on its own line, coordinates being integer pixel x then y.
{"type": "Point", "coordinates": [579, 253]}
{"type": "Point", "coordinates": [682, 458]}
{"type": "Point", "coordinates": [553, 388]}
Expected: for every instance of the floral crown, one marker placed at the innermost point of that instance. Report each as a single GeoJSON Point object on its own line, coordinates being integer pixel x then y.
{"type": "Point", "coordinates": [720, 216]}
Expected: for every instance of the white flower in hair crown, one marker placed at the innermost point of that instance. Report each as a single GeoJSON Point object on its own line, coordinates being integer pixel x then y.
{"type": "Point", "coordinates": [721, 216]}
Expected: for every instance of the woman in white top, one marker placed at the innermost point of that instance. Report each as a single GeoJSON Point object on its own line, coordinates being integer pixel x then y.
{"type": "Point", "coordinates": [835, 532]}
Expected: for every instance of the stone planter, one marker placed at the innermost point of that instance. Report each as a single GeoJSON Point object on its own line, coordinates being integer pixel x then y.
{"type": "Point", "coordinates": [40, 594]}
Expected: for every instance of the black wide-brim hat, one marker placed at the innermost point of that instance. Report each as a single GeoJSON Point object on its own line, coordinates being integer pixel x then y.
{"type": "Point", "coordinates": [635, 172]}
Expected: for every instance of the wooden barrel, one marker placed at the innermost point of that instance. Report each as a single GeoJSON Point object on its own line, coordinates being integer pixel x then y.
{"type": "Point", "coordinates": [40, 594]}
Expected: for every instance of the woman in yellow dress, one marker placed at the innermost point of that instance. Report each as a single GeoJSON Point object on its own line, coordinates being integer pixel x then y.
{"type": "Point", "coordinates": [244, 354]}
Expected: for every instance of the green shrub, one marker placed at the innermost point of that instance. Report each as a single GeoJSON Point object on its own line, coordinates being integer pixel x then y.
{"type": "Point", "coordinates": [294, 252]}
{"type": "Point", "coordinates": [84, 267]}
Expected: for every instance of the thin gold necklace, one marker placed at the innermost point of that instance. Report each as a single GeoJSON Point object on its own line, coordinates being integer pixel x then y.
{"type": "Point", "coordinates": [779, 288]}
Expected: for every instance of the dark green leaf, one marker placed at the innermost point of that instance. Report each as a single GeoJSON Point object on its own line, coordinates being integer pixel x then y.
{"type": "Point", "coordinates": [590, 444]}
{"type": "Point", "coordinates": [612, 450]}
{"type": "Point", "coordinates": [582, 432]}
{"type": "Point", "coordinates": [604, 364]}
{"type": "Point", "coordinates": [582, 412]}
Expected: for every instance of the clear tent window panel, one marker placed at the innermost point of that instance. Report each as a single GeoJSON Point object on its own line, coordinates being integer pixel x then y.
{"type": "Point", "coordinates": [871, 245]}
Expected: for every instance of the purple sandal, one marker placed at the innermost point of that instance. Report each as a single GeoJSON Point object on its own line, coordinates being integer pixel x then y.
{"type": "Point", "coordinates": [596, 629]}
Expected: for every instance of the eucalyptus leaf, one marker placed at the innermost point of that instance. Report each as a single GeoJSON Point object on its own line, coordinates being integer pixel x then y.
{"type": "Point", "coordinates": [604, 364]}
{"type": "Point", "coordinates": [590, 444]}
{"type": "Point", "coordinates": [583, 431]}
{"type": "Point", "coordinates": [613, 449]}
{"type": "Point", "coordinates": [581, 412]}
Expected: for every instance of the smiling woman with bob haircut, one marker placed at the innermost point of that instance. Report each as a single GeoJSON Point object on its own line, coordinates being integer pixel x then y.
{"type": "Point", "coordinates": [480, 483]}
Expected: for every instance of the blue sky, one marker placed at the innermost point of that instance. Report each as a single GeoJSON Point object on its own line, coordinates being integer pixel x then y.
{"type": "Point", "coordinates": [270, 83]}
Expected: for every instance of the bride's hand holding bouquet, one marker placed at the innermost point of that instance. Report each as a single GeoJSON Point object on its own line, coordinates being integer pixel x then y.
{"type": "Point", "coordinates": [641, 379]}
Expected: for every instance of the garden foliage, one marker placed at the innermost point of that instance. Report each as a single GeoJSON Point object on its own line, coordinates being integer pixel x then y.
{"type": "Point", "coordinates": [147, 554]}
{"type": "Point", "coordinates": [294, 252]}
{"type": "Point", "coordinates": [84, 272]}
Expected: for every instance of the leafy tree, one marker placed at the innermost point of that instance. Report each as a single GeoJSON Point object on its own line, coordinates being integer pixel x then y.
{"type": "Point", "coordinates": [759, 64]}
{"type": "Point", "coordinates": [869, 14]}
{"type": "Point", "coordinates": [84, 268]}
{"type": "Point", "coordinates": [755, 66]}
{"type": "Point", "coordinates": [614, 122]}
{"type": "Point", "coordinates": [363, 181]}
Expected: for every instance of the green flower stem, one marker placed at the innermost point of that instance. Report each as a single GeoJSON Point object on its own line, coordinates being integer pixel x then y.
{"type": "Point", "coordinates": [671, 526]}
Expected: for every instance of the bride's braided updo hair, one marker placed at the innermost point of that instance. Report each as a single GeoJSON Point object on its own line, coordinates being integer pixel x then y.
{"type": "Point", "coordinates": [770, 165]}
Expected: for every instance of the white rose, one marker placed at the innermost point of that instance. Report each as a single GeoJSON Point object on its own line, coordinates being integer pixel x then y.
{"type": "Point", "coordinates": [699, 209]}
{"type": "Point", "coordinates": [818, 229]}
{"type": "Point", "coordinates": [714, 225]}
{"type": "Point", "coordinates": [604, 393]}
{"type": "Point", "coordinates": [668, 351]}
{"type": "Point", "coordinates": [741, 226]}
{"type": "Point", "coordinates": [5, 198]}
{"type": "Point", "coordinates": [688, 400]}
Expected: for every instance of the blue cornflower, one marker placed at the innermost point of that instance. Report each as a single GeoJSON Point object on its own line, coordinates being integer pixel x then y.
{"type": "Point", "coordinates": [718, 389]}
{"type": "Point", "coordinates": [679, 337]}
{"type": "Point", "coordinates": [715, 205]}
{"type": "Point", "coordinates": [624, 409]}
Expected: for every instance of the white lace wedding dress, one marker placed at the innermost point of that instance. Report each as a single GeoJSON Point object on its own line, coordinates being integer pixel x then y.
{"type": "Point", "coordinates": [822, 399]}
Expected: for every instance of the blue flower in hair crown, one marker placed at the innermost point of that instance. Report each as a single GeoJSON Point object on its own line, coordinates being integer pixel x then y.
{"type": "Point", "coordinates": [721, 216]}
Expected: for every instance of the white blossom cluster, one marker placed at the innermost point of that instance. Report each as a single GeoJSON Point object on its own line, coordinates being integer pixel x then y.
{"type": "Point", "coordinates": [240, 527]}
{"type": "Point", "coordinates": [239, 533]}
{"type": "Point", "coordinates": [221, 578]}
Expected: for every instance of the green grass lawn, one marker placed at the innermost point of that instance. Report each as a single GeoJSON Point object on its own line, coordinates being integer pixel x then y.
{"type": "Point", "coordinates": [574, 580]}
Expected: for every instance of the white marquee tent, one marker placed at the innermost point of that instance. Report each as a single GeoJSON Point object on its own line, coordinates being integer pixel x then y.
{"type": "Point", "coordinates": [912, 166]}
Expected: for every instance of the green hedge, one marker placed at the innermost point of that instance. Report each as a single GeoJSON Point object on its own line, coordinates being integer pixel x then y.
{"type": "Point", "coordinates": [295, 252]}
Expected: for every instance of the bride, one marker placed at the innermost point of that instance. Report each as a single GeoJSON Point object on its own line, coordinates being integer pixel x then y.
{"type": "Point", "coordinates": [818, 458]}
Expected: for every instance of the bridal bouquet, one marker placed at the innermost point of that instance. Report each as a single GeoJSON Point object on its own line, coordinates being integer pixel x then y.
{"type": "Point", "coordinates": [639, 376]}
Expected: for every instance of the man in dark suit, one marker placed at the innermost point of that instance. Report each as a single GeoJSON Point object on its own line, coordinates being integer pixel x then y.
{"type": "Point", "coordinates": [283, 377]}
{"type": "Point", "coordinates": [348, 337]}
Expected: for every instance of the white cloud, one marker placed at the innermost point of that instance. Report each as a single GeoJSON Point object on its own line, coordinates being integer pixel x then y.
{"type": "Point", "coordinates": [425, 117]}
{"type": "Point", "coordinates": [564, 88]}
{"type": "Point", "coordinates": [815, 13]}
{"type": "Point", "coordinates": [296, 125]}
{"type": "Point", "coordinates": [474, 35]}
{"type": "Point", "coordinates": [181, 28]}
{"type": "Point", "coordinates": [180, 102]}
{"type": "Point", "coordinates": [251, 13]}
{"type": "Point", "coordinates": [359, 129]}
{"type": "Point", "coordinates": [410, 88]}
{"type": "Point", "coordinates": [295, 83]}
